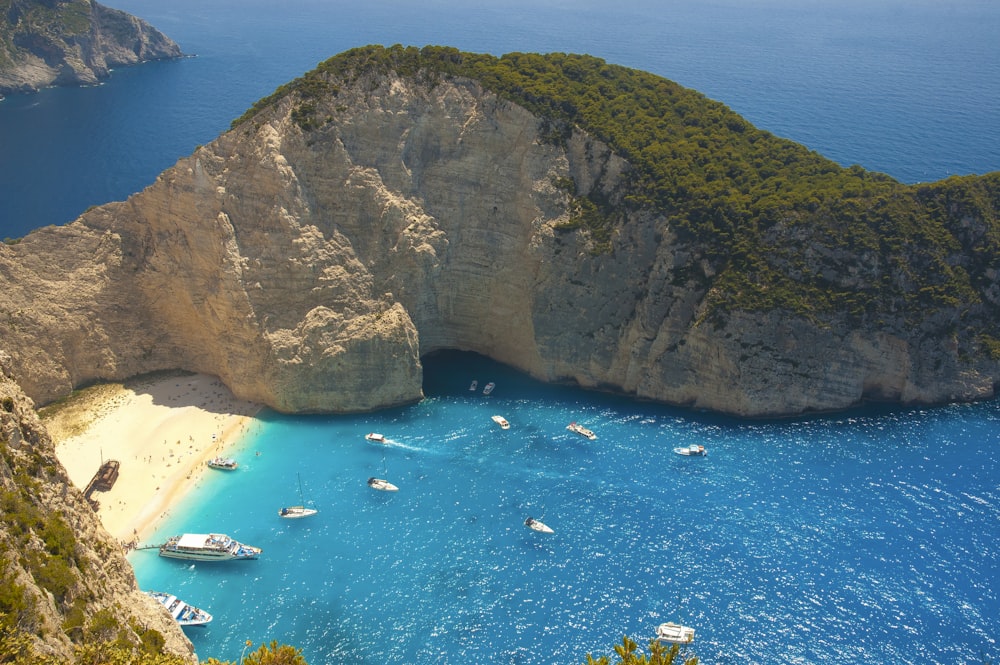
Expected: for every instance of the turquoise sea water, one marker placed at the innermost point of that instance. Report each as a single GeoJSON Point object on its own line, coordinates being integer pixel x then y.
{"type": "Point", "coordinates": [862, 537]}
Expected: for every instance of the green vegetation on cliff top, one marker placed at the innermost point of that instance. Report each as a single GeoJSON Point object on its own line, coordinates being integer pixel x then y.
{"type": "Point", "coordinates": [780, 226]}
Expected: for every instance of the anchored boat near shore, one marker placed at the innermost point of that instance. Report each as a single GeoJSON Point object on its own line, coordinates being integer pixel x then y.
{"type": "Point", "coordinates": [207, 547]}
{"type": "Point", "coordinates": [224, 463]}
{"type": "Point", "coordinates": [184, 614]}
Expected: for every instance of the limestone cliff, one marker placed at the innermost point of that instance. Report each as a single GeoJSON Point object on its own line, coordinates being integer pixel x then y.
{"type": "Point", "coordinates": [71, 42]}
{"type": "Point", "coordinates": [370, 213]}
{"type": "Point", "coordinates": [61, 569]}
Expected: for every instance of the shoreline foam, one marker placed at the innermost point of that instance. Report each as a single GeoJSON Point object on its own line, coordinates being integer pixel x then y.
{"type": "Point", "coordinates": [162, 430]}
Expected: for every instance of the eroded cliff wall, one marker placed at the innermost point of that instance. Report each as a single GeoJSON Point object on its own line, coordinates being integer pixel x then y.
{"type": "Point", "coordinates": [60, 567]}
{"type": "Point", "coordinates": [309, 265]}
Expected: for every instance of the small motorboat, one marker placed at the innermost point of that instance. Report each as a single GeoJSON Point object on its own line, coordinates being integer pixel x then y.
{"type": "Point", "coordinates": [692, 450]}
{"type": "Point", "coordinates": [488, 388]}
{"type": "Point", "coordinates": [674, 632]}
{"type": "Point", "coordinates": [184, 614]}
{"type": "Point", "coordinates": [473, 385]}
{"type": "Point", "coordinates": [581, 430]}
{"type": "Point", "coordinates": [381, 485]}
{"type": "Point", "coordinates": [537, 525]}
{"type": "Point", "coordinates": [375, 436]}
{"type": "Point", "coordinates": [224, 463]}
{"type": "Point", "coordinates": [500, 420]}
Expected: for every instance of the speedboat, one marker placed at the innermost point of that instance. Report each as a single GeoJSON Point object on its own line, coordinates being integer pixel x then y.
{"type": "Point", "coordinates": [375, 436]}
{"type": "Point", "coordinates": [184, 614]}
{"type": "Point", "coordinates": [381, 485]}
{"type": "Point", "coordinates": [500, 420]}
{"type": "Point", "coordinates": [692, 450]}
{"type": "Point", "coordinates": [674, 632]}
{"type": "Point", "coordinates": [537, 525]}
{"type": "Point", "coordinates": [488, 388]}
{"type": "Point", "coordinates": [581, 430]}
{"type": "Point", "coordinates": [207, 547]}
{"type": "Point", "coordinates": [224, 463]}
{"type": "Point", "coordinates": [473, 385]}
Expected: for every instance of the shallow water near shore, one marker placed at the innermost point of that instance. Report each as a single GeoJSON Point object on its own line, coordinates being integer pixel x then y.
{"type": "Point", "coordinates": [860, 537]}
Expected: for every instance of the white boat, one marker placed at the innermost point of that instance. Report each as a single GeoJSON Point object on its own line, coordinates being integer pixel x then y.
{"type": "Point", "coordinates": [488, 388]}
{"type": "Point", "coordinates": [473, 385]}
{"type": "Point", "coordinates": [224, 463]}
{"type": "Point", "coordinates": [184, 614]}
{"type": "Point", "coordinates": [381, 485]}
{"type": "Point", "coordinates": [375, 436]}
{"type": "Point", "coordinates": [693, 449]}
{"type": "Point", "coordinates": [500, 420]}
{"type": "Point", "coordinates": [581, 430]}
{"type": "Point", "coordinates": [537, 525]}
{"type": "Point", "coordinates": [295, 512]}
{"type": "Point", "coordinates": [207, 547]}
{"type": "Point", "coordinates": [674, 632]}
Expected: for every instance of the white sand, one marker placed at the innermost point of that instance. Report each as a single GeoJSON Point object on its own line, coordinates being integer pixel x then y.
{"type": "Point", "coordinates": [162, 431]}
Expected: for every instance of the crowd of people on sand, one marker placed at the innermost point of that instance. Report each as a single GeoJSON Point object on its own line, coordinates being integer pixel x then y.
{"type": "Point", "coordinates": [129, 545]}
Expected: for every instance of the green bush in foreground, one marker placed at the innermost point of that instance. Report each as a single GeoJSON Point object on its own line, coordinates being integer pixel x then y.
{"type": "Point", "coordinates": [659, 654]}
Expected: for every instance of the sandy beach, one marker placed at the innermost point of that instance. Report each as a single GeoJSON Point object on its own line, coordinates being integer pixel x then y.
{"type": "Point", "coordinates": [161, 430]}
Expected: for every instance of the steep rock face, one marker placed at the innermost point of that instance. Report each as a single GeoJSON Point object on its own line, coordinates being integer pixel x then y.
{"type": "Point", "coordinates": [72, 42]}
{"type": "Point", "coordinates": [90, 569]}
{"type": "Point", "coordinates": [310, 270]}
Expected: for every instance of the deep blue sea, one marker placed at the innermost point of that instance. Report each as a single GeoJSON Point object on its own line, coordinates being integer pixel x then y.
{"type": "Point", "coordinates": [863, 537]}
{"type": "Point", "coordinates": [907, 87]}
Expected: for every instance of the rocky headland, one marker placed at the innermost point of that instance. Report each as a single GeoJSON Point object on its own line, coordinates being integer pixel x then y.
{"type": "Point", "coordinates": [66, 582]}
{"type": "Point", "coordinates": [581, 222]}
{"type": "Point", "coordinates": [71, 42]}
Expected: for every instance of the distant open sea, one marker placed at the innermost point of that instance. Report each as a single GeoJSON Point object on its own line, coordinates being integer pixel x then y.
{"type": "Point", "coordinates": [907, 87]}
{"type": "Point", "coordinates": [864, 537]}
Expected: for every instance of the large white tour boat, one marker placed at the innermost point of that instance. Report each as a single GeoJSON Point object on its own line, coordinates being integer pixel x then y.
{"type": "Point", "coordinates": [207, 547]}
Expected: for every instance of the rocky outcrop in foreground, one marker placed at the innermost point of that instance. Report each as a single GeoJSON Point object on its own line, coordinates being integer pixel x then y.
{"type": "Point", "coordinates": [313, 254]}
{"type": "Point", "coordinates": [65, 580]}
{"type": "Point", "coordinates": [72, 42]}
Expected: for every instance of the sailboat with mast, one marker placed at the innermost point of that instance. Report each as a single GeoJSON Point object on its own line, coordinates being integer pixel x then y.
{"type": "Point", "coordinates": [296, 512]}
{"type": "Point", "coordinates": [382, 484]}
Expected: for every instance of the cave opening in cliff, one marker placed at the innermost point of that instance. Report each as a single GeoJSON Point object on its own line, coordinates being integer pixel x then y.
{"type": "Point", "coordinates": [452, 372]}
